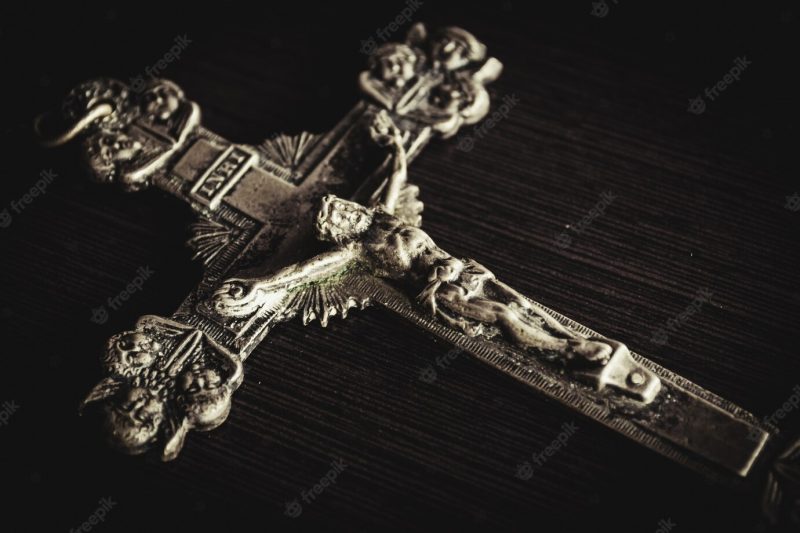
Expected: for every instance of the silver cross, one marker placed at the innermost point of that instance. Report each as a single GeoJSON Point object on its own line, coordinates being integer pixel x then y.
{"type": "Point", "coordinates": [315, 225]}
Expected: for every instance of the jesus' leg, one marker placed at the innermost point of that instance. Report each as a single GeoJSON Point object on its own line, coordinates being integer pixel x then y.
{"type": "Point", "coordinates": [523, 331]}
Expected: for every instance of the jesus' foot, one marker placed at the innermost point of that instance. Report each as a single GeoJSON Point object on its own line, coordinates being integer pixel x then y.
{"type": "Point", "coordinates": [592, 351]}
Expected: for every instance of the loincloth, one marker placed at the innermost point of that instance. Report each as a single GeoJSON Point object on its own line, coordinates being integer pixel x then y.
{"type": "Point", "coordinates": [469, 279]}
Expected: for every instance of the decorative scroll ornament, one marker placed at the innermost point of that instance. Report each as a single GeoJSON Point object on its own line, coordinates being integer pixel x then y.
{"type": "Point", "coordinates": [164, 378]}
{"type": "Point", "coordinates": [128, 135]}
{"type": "Point", "coordinates": [439, 80]}
{"type": "Point", "coordinates": [316, 225]}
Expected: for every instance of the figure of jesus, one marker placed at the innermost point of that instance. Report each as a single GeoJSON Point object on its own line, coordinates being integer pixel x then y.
{"type": "Point", "coordinates": [461, 293]}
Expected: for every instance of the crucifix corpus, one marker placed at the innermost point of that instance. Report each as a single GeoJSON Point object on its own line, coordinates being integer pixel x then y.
{"type": "Point", "coordinates": [317, 224]}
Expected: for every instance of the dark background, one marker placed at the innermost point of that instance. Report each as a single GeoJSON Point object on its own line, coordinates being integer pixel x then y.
{"type": "Point", "coordinates": [701, 203]}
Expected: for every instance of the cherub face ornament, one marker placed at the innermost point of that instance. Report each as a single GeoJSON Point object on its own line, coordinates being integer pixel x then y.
{"type": "Point", "coordinates": [130, 352]}
{"type": "Point", "coordinates": [204, 397]}
{"type": "Point", "coordinates": [133, 423]}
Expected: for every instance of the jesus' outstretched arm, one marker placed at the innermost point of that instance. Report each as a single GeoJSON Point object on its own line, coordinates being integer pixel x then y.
{"type": "Point", "coordinates": [386, 134]}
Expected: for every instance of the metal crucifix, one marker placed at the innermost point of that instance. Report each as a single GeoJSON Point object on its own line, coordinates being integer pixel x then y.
{"type": "Point", "coordinates": [315, 225]}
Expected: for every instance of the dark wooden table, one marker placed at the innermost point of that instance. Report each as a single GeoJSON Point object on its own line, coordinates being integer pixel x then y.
{"type": "Point", "coordinates": [602, 106]}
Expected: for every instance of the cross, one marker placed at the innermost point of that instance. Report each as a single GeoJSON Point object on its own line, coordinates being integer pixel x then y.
{"type": "Point", "coordinates": [314, 225]}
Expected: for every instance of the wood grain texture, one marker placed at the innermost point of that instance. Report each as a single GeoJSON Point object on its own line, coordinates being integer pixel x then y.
{"type": "Point", "coordinates": [602, 106]}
